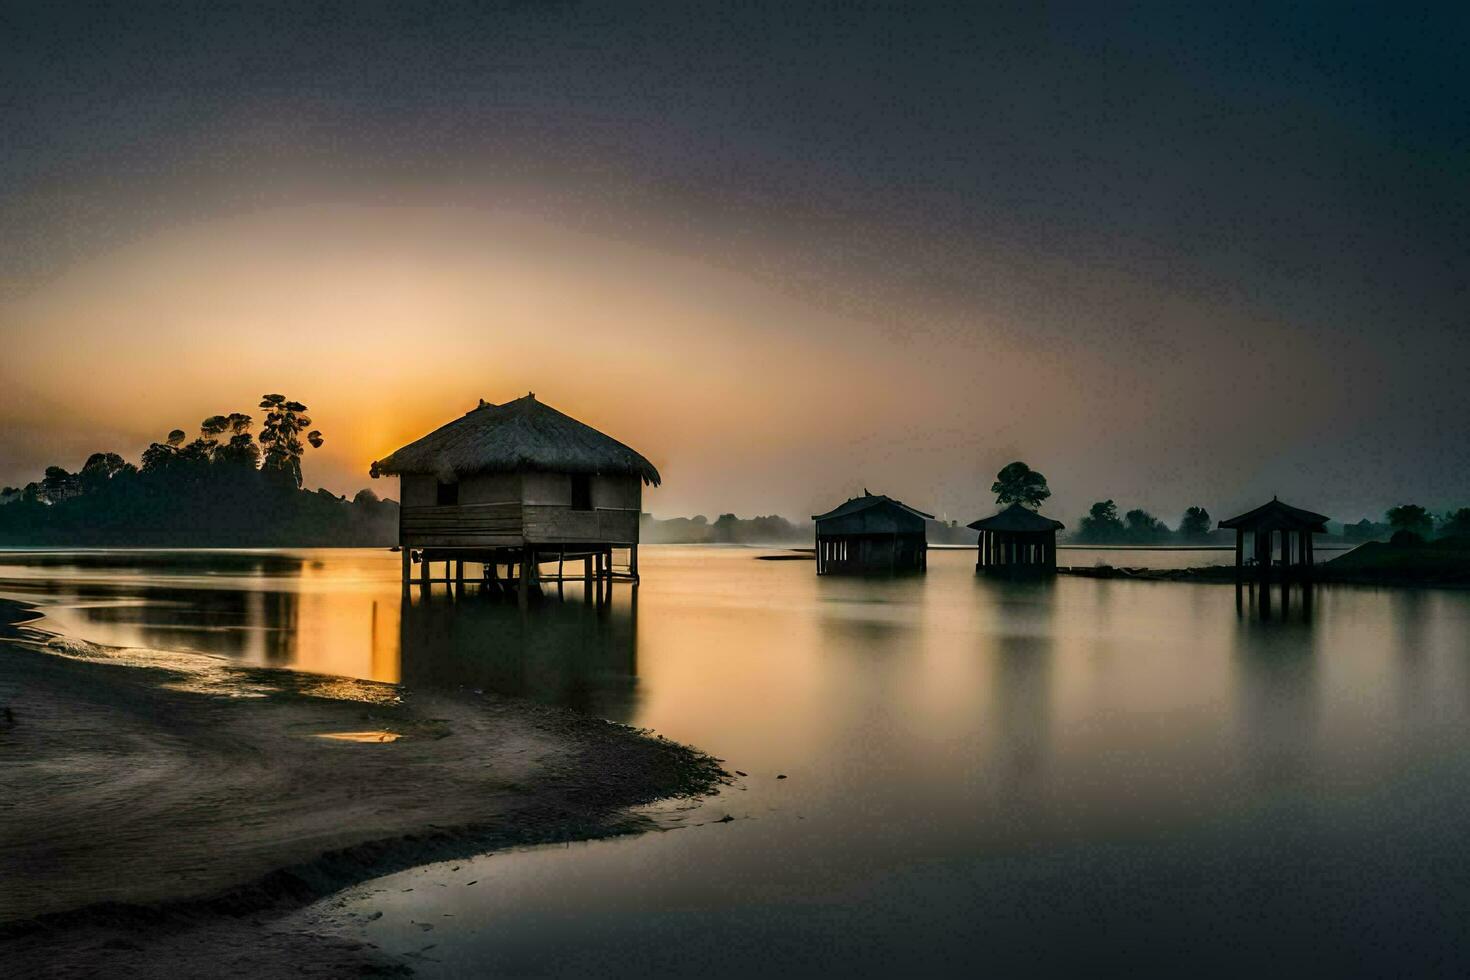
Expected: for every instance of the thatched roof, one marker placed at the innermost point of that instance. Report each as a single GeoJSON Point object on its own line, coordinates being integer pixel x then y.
{"type": "Point", "coordinates": [1276, 516]}
{"type": "Point", "coordinates": [1016, 519]}
{"type": "Point", "coordinates": [520, 435]}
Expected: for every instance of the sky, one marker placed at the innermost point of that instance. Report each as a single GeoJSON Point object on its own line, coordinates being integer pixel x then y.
{"type": "Point", "coordinates": [1168, 254]}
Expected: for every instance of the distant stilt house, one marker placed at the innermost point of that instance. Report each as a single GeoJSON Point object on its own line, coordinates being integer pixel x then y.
{"type": "Point", "coordinates": [1271, 527]}
{"type": "Point", "coordinates": [517, 485]}
{"type": "Point", "coordinates": [871, 533]}
{"type": "Point", "coordinates": [1017, 543]}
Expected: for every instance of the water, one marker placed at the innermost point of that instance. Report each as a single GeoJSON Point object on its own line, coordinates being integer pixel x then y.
{"type": "Point", "coordinates": [1080, 776]}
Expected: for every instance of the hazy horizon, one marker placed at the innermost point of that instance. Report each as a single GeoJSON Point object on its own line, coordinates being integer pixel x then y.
{"type": "Point", "coordinates": [786, 254]}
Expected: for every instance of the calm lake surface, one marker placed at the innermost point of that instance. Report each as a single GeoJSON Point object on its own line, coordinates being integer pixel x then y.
{"type": "Point", "coordinates": [1085, 776]}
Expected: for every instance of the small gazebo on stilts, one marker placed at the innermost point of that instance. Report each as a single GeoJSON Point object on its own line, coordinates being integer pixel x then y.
{"type": "Point", "coordinates": [1271, 527]}
{"type": "Point", "coordinates": [1017, 543]}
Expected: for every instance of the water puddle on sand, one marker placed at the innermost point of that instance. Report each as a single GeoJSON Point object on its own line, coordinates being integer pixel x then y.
{"type": "Point", "coordinates": [360, 736]}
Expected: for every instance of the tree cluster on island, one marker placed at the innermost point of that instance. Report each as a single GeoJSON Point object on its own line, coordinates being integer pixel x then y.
{"type": "Point", "coordinates": [1102, 525]}
{"type": "Point", "coordinates": [1018, 483]}
{"type": "Point", "coordinates": [228, 486]}
{"type": "Point", "coordinates": [1413, 524]}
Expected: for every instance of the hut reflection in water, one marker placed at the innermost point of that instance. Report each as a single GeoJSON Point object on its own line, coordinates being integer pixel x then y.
{"type": "Point", "coordinates": [569, 653]}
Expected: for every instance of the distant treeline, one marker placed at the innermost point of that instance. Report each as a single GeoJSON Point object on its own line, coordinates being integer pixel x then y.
{"type": "Point", "coordinates": [729, 529]}
{"type": "Point", "coordinates": [1407, 522]}
{"type": "Point", "coordinates": [725, 529]}
{"type": "Point", "coordinates": [1411, 522]}
{"type": "Point", "coordinates": [228, 487]}
{"type": "Point", "coordinates": [1102, 525]}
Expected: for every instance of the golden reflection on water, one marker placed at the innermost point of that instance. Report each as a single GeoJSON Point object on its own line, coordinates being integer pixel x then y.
{"type": "Point", "coordinates": [360, 736]}
{"type": "Point", "coordinates": [970, 689]}
{"type": "Point", "coordinates": [1138, 754]}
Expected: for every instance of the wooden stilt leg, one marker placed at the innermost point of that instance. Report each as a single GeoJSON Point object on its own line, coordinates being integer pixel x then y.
{"type": "Point", "coordinates": [424, 571]}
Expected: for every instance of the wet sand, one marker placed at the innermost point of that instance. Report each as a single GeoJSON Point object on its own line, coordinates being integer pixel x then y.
{"type": "Point", "coordinates": [160, 813]}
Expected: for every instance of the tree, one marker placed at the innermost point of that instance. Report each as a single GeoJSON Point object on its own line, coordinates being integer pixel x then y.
{"type": "Point", "coordinates": [57, 485]}
{"type": "Point", "coordinates": [1101, 523]}
{"type": "Point", "coordinates": [1195, 523]}
{"type": "Point", "coordinates": [285, 421]}
{"type": "Point", "coordinates": [1411, 518]}
{"type": "Point", "coordinates": [156, 457]}
{"type": "Point", "coordinates": [239, 451]}
{"type": "Point", "coordinates": [725, 527]}
{"type": "Point", "coordinates": [1455, 524]}
{"type": "Point", "coordinates": [1364, 530]}
{"type": "Point", "coordinates": [99, 469]}
{"type": "Point", "coordinates": [197, 490]}
{"type": "Point", "coordinates": [162, 455]}
{"type": "Point", "coordinates": [1143, 527]}
{"type": "Point", "coordinates": [1017, 483]}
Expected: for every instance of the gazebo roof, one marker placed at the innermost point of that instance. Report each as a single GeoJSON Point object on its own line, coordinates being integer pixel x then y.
{"type": "Point", "coordinates": [868, 500]}
{"type": "Point", "coordinates": [523, 434]}
{"type": "Point", "coordinates": [1016, 519]}
{"type": "Point", "coordinates": [1276, 516]}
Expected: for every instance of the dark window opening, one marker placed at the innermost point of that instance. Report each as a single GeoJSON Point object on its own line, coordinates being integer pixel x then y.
{"type": "Point", "coordinates": [448, 494]}
{"type": "Point", "coordinates": [581, 491]}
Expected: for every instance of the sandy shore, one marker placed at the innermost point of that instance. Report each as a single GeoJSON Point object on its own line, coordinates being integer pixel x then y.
{"type": "Point", "coordinates": [159, 812]}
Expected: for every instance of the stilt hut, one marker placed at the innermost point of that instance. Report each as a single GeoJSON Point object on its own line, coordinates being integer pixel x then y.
{"type": "Point", "coordinates": [869, 534]}
{"type": "Point", "coordinates": [1017, 543]}
{"type": "Point", "coordinates": [517, 485]}
{"type": "Point", "coordinates": [1271, 527]}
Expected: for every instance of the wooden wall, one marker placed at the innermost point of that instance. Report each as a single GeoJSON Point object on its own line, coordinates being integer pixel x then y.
{"type": "Point", "coordinates": [510, 509]}
{"type": "Point", "coordinates": [867, 554]}
{"type": "Point", "coordinates": [617, 493]}
{"type": "Point", "coordinates": [490, 488]}
{"type": "Point", "coordinates": [415, 490]}
{"type": "Point", "coordinates": [561, 525]}
{"type": "Point", "coordinates": [464, 525]}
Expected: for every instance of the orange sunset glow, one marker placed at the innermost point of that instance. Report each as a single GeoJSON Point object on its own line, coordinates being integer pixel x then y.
{"type": "Point", "coordinates": [641, 489]}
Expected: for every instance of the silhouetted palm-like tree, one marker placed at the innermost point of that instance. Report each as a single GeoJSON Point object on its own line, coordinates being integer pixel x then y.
{"type": "Point", "coordinates": [281, 435]}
